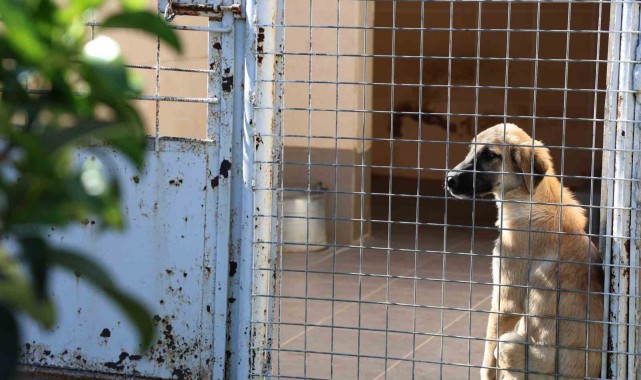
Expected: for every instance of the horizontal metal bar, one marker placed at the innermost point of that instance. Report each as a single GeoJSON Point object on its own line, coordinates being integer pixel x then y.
{"type": "Point", "coordinates": [444, 308]}
{"type": "Point", "coordinates": [450, 114]}
{"type": "Point", "coordinates": [449, 281]}
{"type": "Point", "coordinates": [391, 358]}
{"type": "Point", "coordinates": [445, 57]}
{"type": "Point", "coordinates": [442, 29]}
{"type": "Point", "coordinates": [430, 169]}
{"type": "Point", "coordinates": [446, 86]}
{"type": "Point", "coordinates": [193, 28]}
{"type": "Point", "coordinates": [396, 249]}
{"type": "Point", "coordinates": [413, 333]}
{"type": "Point", "coordinates": [433, 197]}
{"type": "Point", "coordinates": [167, 68]}
{"type": "Point", "coordinates": [427, 224]}
{"type": "Point", "coordinates": [164, 98]}
{"type": "Point", "coordinates": [177, 99]}
{"type": "Point", "coordinates": [450, 142]}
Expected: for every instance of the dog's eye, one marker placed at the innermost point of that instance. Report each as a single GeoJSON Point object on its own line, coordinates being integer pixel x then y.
{"type": "Point", "coordinates": [489, 155]}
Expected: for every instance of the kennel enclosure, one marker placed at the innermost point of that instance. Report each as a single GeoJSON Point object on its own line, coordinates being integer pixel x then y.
{"type": "Point", "coordinates": [376, 100]}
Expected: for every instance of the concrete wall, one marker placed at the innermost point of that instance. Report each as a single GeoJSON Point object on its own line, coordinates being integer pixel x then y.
{"type": "Point", "coordinates": [553, 16]}
{"type": "Point", "coordinates": [336, 137]}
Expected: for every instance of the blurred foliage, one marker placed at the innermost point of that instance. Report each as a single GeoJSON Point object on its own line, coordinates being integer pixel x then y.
{"type": "Point", "coordinates": [61, 91]}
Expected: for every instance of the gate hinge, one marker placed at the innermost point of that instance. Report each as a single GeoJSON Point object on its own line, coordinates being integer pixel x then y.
{"type": "Point", "coordinates": [206, 8]}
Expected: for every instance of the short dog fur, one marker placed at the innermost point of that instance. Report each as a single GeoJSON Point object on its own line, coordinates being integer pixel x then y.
{"type": "Point", "coordinates": [504, 161]}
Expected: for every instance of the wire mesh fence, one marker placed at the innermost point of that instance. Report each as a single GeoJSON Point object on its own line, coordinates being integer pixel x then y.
{"type": "Point", "coordinates": [381, 269]}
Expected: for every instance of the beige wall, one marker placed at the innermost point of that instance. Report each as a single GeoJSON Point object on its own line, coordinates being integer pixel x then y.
{"type": "Point", "coordinates": [338, 136]}
{"type": "Point", "coordinates": [176, 119]}
{"type": "Point", "coordinates": [492, 73]}
{"type": "Point", "coordinates": [350, 97]}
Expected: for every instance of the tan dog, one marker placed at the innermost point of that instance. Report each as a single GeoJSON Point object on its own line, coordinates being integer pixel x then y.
{"type": "Point", "coordinates": [527, 311]}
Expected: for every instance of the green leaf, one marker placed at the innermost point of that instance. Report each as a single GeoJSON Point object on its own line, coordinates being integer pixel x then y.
{"type": "Point", "coordinates": [16, 293]}
{"type": "Point", "coordinates": [20, 32]}
{"type": "Point", "coordinates": [34, 250]}
{"type": "Point", "coordinates": [133, 5]}
{"type": "Point", "coordinates": [98, 277]}
{"type": "Point", "coordinates": [147, 22]}
{"type": "Point", "coordinates": [9, 343]}
{"type": "Point", "coordinates": [57, 138]}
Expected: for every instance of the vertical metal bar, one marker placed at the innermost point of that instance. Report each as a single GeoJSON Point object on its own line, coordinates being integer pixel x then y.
{"type": "Point", "coordinates": [620, 133]}
{"type": "Point", "coordinates": [591, 211]}
{"type": "Point", "coordinates": [477, 79]}
{"type": "Point", "coordinates": [219, 129]}
{"type": "Point", "coordinates": [446, 195]}
{"type": "Point", "coordinates": [562, 174]}
{"type": "Point", "coordinates": [418, 186]}
{"type": "Point", "coordinates": [337, 162]}
{"type": "Point", "coordinates": [634, 364]}
{"type": "Point", "coordinates": [362, 190]}
{"type": "Point", "coordinates": [310, 106]}
{"type": "Point", "coordinates": [240, 261]}
{"type": "Point", "coordinates": [261, 87]}
{"type": "Point", "coordinates": [390, 188]}
{"type": "Point", "coordinates": [609, 133]}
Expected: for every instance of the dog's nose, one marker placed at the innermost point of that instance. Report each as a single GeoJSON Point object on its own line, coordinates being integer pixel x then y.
{"type": "Point", "coordinates": [452, 181]}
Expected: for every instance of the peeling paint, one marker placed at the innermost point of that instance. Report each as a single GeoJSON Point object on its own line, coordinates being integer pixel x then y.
{"type": "Point", "coordinates": [224, 168]}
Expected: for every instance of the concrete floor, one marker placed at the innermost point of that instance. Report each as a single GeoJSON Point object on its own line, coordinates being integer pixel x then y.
{"type": "Point", "coordinates": [362, 319]}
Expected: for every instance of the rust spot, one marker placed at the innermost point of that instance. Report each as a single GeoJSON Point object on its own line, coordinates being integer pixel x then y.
{"type": "Point", "coordinates": [136, 179]}
{"type": "Point", "coordinates": [135, 357]}
{"type": "Point", "coordinates": [259, 140]}
{"type": "Point", "coordinates": [224, 168]}
{"type": "Point", "coordinates": [176, 182]}
{"type": "Point", "coordinates": [105, 333]}
{"type": "Point", "coordinates": [233, 266]}
{"type": "Point", "coordinates": [194, 9]}
{"type": "Point", "coordinates": [169, 271]}
{"type": "Point", "coordinates": [228, 82]}
{"type": "Point", "coordinates": [231, 299]}
{"type": "Point", "coordinates": [627, 246]}
{"type": "Point", "coordinates": [260, 38]}
{"type": "Point", "coordinates": [217, 46]}
{"type": "Point", "coordinates": [181, 373]}
{"type": "Point", "coordinates": [214, 182]}
{"type": "Point", "coordinates": [208, 309]}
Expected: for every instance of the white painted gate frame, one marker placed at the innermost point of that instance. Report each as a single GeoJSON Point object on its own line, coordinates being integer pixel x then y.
{"type": "Point", "coordinates": [621, 193]}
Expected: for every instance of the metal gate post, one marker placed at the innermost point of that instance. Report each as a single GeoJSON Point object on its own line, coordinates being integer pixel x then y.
{"type": "Point", "coordinates": [262, 97]}
{"type": "Point", "coordinates": [618, 192]}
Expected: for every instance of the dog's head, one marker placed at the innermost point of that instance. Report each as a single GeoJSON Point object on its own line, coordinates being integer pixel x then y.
{"type": "Point", "coordinates": [501, 159]}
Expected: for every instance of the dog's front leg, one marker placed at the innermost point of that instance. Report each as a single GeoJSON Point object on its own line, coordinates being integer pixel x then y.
{"type": "Point", "coordinates": [489, 360]}
{"type": "Point", "coordinates": [506, 300]}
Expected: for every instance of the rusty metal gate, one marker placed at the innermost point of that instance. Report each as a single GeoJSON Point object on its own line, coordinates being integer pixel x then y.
{"type": "Point", "coordinates": [364, 266]}
{"type": "Point", "coordinates": [182, 243]}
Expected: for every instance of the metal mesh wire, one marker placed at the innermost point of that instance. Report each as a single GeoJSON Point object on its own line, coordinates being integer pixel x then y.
{"type": "Point", "coordinates": [380, 273]}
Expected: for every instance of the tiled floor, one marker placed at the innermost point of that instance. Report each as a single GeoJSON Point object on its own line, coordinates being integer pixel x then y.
{"type": "Point", "coordinates": [376, 316]}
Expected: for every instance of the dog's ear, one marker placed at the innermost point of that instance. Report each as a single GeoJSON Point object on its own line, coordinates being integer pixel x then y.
{"type": "Point", "coordinates": [533, 172]}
